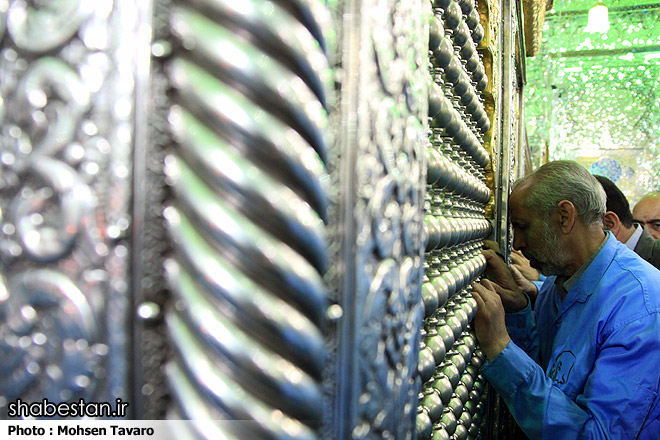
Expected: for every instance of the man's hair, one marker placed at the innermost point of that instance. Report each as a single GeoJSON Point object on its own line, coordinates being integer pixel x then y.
{"type": "Point", "coordinates": [616, 201]}
{"type": "Point", "coordinates": [566, 180]}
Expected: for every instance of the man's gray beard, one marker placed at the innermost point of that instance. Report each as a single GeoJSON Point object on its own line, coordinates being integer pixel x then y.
{"type": "Point", "coordinates": [553, 258]}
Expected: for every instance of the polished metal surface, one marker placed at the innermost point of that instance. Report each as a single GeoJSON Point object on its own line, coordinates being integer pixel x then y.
{"type": "Point", "coordinates": [262, 211]}
{"type": "Point", "coordinates": [510, 101]}
{"type": "Point", "coordinates": [377, 233]}
{"type": "Point", "coordinates": [68, 74]}
{"type": "Point", "coordinates": [455, 223]}
{"type": "Point", "coordinates": [248, 216]}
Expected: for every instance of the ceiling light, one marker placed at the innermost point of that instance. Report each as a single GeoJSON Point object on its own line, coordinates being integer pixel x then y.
{"type": "Point", "coordinates": [598, 20]}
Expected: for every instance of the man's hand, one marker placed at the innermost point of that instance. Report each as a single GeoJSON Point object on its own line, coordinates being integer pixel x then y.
{"type": "Point", "coordinates": [525, 285]}
{"type": "Point", "coordinates": [492, 245]}
{"type": "Point", "coordinates": [504, 283]}
{"type": "Point", "coordinates": [489, 324]}
{"type": "Point", "coordinates": [520, 262]}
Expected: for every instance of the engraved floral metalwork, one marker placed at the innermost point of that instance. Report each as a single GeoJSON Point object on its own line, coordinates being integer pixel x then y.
{"type": "Point", "coordinates": [377, 241]}
{"type": "Point", "coordinates": [67, 72]}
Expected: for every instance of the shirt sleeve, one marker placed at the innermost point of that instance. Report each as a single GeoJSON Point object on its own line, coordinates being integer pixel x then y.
{"type": "Point", "coordinates": [522, 330]}
{"type": "Point", "coordinates": [616, 400]}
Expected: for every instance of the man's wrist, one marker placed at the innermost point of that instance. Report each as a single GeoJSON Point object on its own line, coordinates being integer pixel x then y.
{"type": "Point", "coordinates": [531, 290]}
{"type": "Point", "coordinates": [496, 348]}
{"type": "Point", "coordinates": [519, 304]}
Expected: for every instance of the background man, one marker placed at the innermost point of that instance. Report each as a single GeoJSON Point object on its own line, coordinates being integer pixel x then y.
{"type": "Point", "coordinates": [647, 213]}
{"type": "Point", "coordinates": [619, 220]}
{"type": "Point", "coordinates": [584, 363]}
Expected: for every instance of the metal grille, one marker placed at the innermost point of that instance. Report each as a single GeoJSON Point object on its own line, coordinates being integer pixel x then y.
{"type": "Point", "coordinates": [452, 401]}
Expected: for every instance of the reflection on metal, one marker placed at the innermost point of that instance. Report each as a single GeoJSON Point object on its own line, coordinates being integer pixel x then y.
{"type": "Point", "coordinates": [452, 402]}
{"type": "Point", "coordinates": [66, 133]}
{"type": "Point", "coordinates": [377, 225]}
{"type": "Point", "coordinates": [248, 215]}
{"type": "Point", "coordinates": [52, 327]}
{"type": "Point", "coordinates": [508, 158]}
{"type": "Point", "coordinates": [489, 16]}
{"type": "Point", "coordinates": [271, 211]}
{"type": "Point", "coordinates": [37, 30]}
{"type": "Point", "coordinates": [508, 128]}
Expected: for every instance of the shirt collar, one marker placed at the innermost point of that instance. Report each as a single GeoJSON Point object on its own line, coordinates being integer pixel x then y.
{"type": "Point", "coordinates": [634, 239]}
{"type": "Point", "coordinates": [589, 276]}
{"type": "Point", "coordinates": [569, 283]}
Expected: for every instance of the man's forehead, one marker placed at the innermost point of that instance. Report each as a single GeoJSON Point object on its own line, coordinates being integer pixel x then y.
{"type": "Point", "coordinates": [648, 205]}
{"type": "Point", "coordinates": [518, 195]}
{"type": "Point", "coordinates": [518, 212]}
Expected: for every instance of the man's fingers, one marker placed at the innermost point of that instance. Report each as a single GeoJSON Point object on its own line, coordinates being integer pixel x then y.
{"type": "Point", "coordinates": [493, 258]}
{"type": "Point", "coordinates": [499, 289]}
{"type": "Point", "coordinates": [518, 253]}
{"type": "Point", "coordinates": [489, 253]}
{"type": "Point", "coordinates": [491, 245]}
{"type": "Point", "coordinates": [488, 284]}
{"type": "Point", "coordinates": [517, 275]}
{"type": "Point", "coordinates": [518, 258]}
{"type": "Point", "coordinates": [483, 288]}
{"type": "Point", "coordinates": [487, 290]}
{"type": "Point", "coordinates": [477, 295]}
{"type": "Point", "coordinates": [495, 291]}
{"type": "Point", "coordinates": [482, 295]}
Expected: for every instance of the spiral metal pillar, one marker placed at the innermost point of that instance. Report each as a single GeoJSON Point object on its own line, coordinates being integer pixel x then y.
{"type": "Point", "coordinates": [251, 91]}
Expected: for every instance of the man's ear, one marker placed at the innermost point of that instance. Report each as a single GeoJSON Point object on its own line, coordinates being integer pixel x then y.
{"type": "Point", "coordinates": [611, 222]}
{"type": "Point", "coordinates": [567, 216]}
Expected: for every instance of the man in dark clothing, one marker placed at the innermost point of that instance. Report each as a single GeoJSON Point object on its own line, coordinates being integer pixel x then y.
{"type": "Point", "coordinates": [619, 220]}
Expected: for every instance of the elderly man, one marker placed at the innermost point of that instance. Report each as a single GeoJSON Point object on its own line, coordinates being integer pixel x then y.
{"type": "Point", "coordinates": [647, 213]}
{"type": "Point", "coordinates": [584, 364]}
{"type": "Point", "coordinates": [619, 220]}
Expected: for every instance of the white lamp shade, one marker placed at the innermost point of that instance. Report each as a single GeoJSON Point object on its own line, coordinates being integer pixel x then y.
{"type": "Point", "coordinates": [598, 20]}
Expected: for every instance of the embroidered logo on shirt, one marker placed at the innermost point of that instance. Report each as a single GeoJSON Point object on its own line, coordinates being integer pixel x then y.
{"type": "Point", "coordinates": [562, 367]}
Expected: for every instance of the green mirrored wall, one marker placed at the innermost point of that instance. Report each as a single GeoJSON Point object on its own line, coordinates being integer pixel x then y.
{"type": "Point", "coordinates": [595, 97]}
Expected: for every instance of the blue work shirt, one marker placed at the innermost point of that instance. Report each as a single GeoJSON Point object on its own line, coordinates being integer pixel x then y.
{"type": "Point", "coordinates": [587, 367]}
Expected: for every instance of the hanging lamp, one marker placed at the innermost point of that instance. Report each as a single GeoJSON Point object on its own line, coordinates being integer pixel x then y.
{"type": "Point", "coordinates": [598, 21]}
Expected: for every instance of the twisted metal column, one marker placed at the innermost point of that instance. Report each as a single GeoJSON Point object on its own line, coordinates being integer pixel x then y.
{"type": "Point", "coordinates": [251, 92]}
